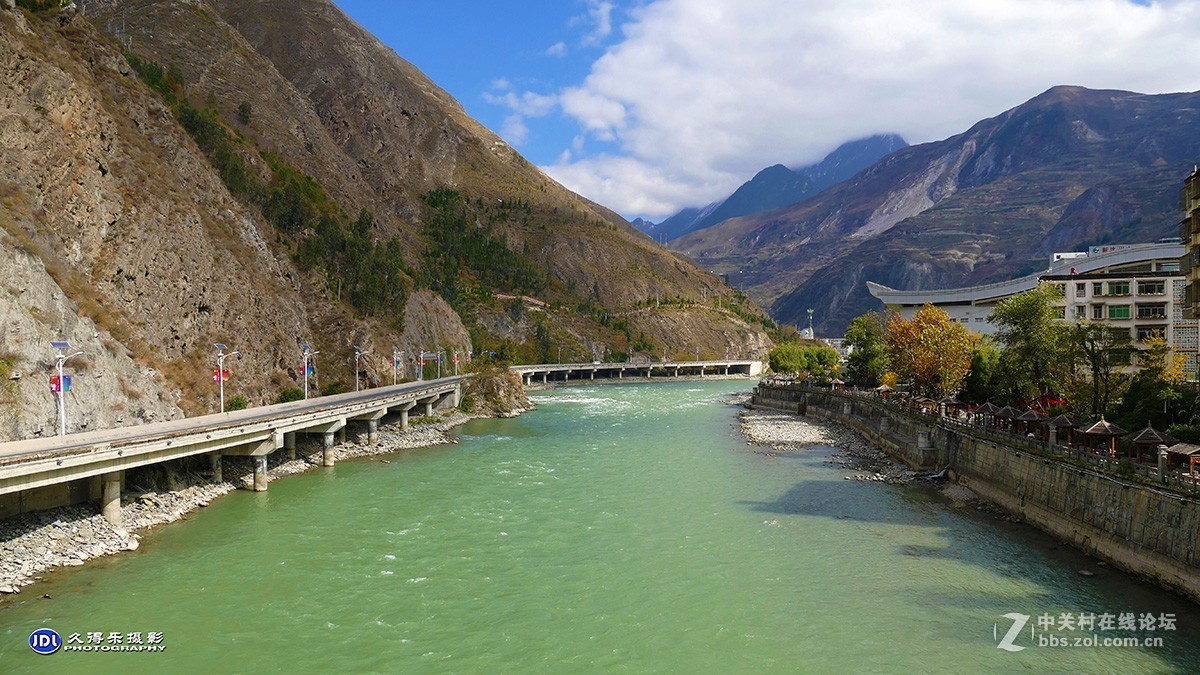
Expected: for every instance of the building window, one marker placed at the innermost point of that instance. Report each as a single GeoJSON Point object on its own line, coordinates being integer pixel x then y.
{"type": "Point", "coordinates": [1097, 288]}
{"type": "Point", "coordinates": [1118, 311]}
{"type": "Point", "coordinates": [1097, 312]}
{"type": "Point", "coordinates": [1080, 290]}
{"type": "Point", "coordinates": [1146, 332]}
{"type": "Point", "coordinates": [1118, 288]}
{"type": "Point", "coordinates": [1059, 312]}
{"type": "Point", "coordinates": [1152, 288]}
{"type": "Point", "coordinates": [1080, 311]}
{"type": "Point", "coordinates": [1152, 311]}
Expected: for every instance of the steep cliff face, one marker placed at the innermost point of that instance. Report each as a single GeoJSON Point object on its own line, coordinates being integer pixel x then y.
{"type": "Point", "coordinates": [122, 232]}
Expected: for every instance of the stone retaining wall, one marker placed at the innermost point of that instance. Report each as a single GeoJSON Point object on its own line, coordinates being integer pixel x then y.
{"type": "Point", "coordinates": [1142, 529]}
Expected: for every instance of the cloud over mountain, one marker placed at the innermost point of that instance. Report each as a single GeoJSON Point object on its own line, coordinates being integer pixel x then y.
{"type": "Point", "coordinates": [695, 97]}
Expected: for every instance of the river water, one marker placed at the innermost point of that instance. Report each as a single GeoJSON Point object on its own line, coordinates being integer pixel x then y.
{"type": "Point", "coordinates": [619, 528]}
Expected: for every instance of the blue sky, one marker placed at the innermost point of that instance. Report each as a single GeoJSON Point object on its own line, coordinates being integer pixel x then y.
{"type": "Point", "coordinates": [648, 106]}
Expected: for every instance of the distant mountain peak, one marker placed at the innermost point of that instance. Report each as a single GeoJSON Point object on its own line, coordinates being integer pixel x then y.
{"type": "Point", "coordinates": [778, 186]}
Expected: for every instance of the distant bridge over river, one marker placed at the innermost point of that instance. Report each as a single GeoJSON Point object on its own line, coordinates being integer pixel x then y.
{"type": "Point", "coordinates": [563, 372]}
{"type": "Point", "coordinates": [45, 472]}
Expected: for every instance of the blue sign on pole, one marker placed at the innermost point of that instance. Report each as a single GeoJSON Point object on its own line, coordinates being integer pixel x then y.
{"type": "Point", "coordinates": [312, 370]}
{"type": "Point", "coordinates": [66, 383]}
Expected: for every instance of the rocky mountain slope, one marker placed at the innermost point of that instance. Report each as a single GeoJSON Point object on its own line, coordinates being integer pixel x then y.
{"type": "Point", "coordinates": [175, 174]}
{"type": "Point", "coordinates": [778, 186]}
{"type": "Point", "coordinates": [1069, 168]}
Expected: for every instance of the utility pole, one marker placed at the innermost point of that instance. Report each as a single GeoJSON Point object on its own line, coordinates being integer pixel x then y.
{"type": "Point", "coordinates": [308, 354]}
{"type": "Point", "coordinates": [62, 384]}
{"type": "Point", "coordinates": [396, 356]}
{"type": "Point", "coordinates": [220, 375]}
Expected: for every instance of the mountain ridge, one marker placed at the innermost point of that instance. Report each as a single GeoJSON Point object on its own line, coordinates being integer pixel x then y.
{"type": "Point", "coordinates": [1068, 167]}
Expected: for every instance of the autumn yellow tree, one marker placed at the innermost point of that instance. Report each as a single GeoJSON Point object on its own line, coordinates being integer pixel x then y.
{"type": "Point", "coordinates": [931, 351]}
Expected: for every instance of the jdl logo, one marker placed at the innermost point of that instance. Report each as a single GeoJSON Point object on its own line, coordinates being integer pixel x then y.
{"type": "Point", "coordinates": [45, 641]}
{"type": "Point", "coordinates": [1007, 642]}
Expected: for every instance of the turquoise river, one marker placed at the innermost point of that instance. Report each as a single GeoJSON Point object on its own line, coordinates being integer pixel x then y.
{"type": "Point", "coordinates": [619, 528]}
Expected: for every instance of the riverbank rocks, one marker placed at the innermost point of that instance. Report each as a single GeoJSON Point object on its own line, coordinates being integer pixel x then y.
{"type": "Point", "coordinates": [32, 544]}
{"type": "Point", "coordinates": [785, 432]}
{"type": "Point", "coordinates": [497, 392]}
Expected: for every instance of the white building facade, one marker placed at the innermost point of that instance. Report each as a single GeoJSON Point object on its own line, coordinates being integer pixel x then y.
{"type": "Point", "coordinates": [1138, 287]}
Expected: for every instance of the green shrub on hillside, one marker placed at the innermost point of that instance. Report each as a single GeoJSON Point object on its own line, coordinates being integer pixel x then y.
{"type": "Point", "coordinates": [290, 394]}
{"type": "Point", "coordinates": [464, 255]}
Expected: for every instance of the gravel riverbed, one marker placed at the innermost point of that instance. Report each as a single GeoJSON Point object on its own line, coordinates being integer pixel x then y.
{"type": "Point", "coordinates": [776, 432]}
{"type": "Point", "coordinates": [33, 544]}
{"type": "Point", "coordinates": [780, 432]}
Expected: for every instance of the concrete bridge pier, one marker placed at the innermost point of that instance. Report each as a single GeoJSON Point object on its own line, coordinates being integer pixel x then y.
{"type": "Point", "coordinates": [110, 496]}
{"type": "Point", "coordinates": [701, 371]}
{"type": "Point", "coordinates": [289, 442]}
{"type": "Point", "coordinates": [257, 452]}
{"type": "Point", "coordinates": [214, 464]}
{"type": "Point", "coordinates": [404, 408]}
{"type": "Point", "coordinates": [592, 374]}
{"type": "Point", "coordinates": [327, 442]}
{"type": "Point", "coordinates": [372, 419]}
{"type": "Point", "coordinates": [544, 377]}
{"type": "Point", "coordinates": [260, 473]}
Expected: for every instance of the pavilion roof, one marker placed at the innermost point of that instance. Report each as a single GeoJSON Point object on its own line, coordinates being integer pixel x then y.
{"type": "Point", "coordinates": [1149, 436]}
{"type": "Point", "coordinates": [1190, 449]}
{"type": "Point", "coordinates": [1104, 428]}
{"type": "Point", "coordinates": [1032, 415]}
{"type": "Point", "coordinates": [1063, 422]}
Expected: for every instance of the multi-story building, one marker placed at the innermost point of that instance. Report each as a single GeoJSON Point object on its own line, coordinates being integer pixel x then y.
{"type": "Point", "coordinates": [1189, 234]}
{"type": "Point", "coordinates": [1139, 288]}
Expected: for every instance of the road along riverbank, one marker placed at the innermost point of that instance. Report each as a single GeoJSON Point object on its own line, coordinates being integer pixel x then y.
{"type": "Point", "coordinates": [34, 544]}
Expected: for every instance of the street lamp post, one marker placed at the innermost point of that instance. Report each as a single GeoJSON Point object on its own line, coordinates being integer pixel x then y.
{"type": "Point", "coordinates": [61, 388]}
{"type": "Point", "coordinates": [221, 356]}
{"type": "Point", "coordinates": [358, 354]}
{"type": "Point", "coordinates": [308, 354]}
{"type": "Point", "coordinates": [397, 354]}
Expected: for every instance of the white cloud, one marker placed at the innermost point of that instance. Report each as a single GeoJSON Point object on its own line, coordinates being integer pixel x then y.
{"type": "Point", "coordinates": [599, 18]}
{"type": "Point", "coordinates": [698, 96]}
{"type": "Point", "coordinates": [514, 130]}
{"type": "Point", "coordinates": [527, 103]}
{"type": "Point", "coordinates": [557, 49]}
